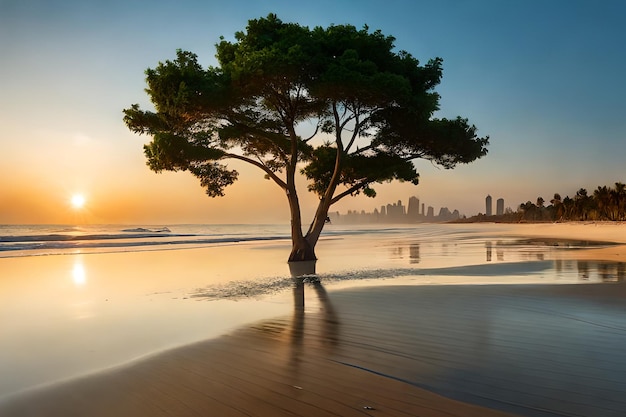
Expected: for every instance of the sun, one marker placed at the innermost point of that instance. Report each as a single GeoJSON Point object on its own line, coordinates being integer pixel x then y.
{"type": "Point", "coordinates": [78, 201]}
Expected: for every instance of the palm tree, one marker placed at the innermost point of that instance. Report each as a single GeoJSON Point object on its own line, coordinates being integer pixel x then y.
{"type": "Point", "coordinates": [569, 208]}
{"type": "Point", "coordinates": [619, 197]}
{"type": "Point", "coordinates": [557, 204]}
{"type": "Point", "coordinates": [582, 203]}
{"type": "Point", "coordinates": [527, 210]}
{"type": "Point", "coordinates": [603, 203]}
{"type": "Point", "coordinates": [540, 208]}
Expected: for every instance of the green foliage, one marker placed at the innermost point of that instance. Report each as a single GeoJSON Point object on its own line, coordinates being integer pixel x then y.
{"type": "Point", "coordinates": [357, 169]}
{"type": "Point", "coordinates": [214, 177]}
{"type": "Point", "coordinates": [606, 203]}
{"type": "Point", "coordinates": [373, 106]}
{"type": "Point", "coordinates": [172, 153]}
{"type": "Point", "coordinates": [446, 142]}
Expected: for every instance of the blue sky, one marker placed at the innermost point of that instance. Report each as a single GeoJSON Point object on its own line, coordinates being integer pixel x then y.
{"type": "Point", "coordinates": [544, 79]}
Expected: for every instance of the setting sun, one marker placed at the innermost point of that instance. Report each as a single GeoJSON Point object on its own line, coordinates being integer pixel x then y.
{"type": "Point", "coordinates": [78, 201]}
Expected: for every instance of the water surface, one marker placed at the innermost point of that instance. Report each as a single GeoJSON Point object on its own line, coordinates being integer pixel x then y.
{"type": "Point", "coordinates": [74, 300]}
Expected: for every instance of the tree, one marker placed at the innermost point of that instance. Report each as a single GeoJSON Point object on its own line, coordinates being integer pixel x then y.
{"type": "Point", "coordinates": [619, 197]}
{"type": "Point", "coordinates": [602, 200]}
{"type": "Point", "coordinates": [540, 209]}
{"type": "Point", "coordinates": [528, 210]}
{"type": "Point", "coordinates": [371, 111]}
{"type": "Point", "coordinates": [540, 202]}
{"type": "Point", "coordinates": [557, 205]}
{"type": "Point", "coordinates": [582, 203]}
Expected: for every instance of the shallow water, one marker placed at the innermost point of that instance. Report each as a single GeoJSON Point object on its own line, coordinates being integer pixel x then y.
{"type": "Point", "coordinates": [96, 300]}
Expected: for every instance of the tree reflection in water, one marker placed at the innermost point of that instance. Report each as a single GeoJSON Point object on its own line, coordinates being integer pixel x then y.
{"type": "Point", "coordinates": [605, 271]}
{"type": "Point", "coordinates": [322, 330]}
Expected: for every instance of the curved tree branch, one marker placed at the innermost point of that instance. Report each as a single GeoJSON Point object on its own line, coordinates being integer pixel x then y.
{"type": "Point", "coordinates": [259, 165]}
{"type": "Point", "coordinates": [349, 191]}
{"type": "Point", "coordinates": [355, 134]}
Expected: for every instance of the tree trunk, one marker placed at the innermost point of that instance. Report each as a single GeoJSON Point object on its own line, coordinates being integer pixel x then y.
{"type": "Point", "coordinates": [319, 221]}
{"type": "Point", "coordinates": [302, 250]}
{"type": "Point", "coordinates": [300, 269]}
{"type": "Point", "coordinates": [303, 247]}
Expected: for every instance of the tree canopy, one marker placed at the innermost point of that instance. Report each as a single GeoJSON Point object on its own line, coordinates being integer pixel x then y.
{"type": "Point", "coordinates": [339, 105]}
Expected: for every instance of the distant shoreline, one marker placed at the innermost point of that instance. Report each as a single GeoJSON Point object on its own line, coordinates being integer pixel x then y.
{"type": "Point", "coordinates": [495, 219]}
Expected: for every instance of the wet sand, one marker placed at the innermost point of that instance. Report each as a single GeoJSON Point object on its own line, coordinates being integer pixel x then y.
{"type": "Point", "coordinates": [584, 231]}
{"type": "Point", "coordinates": [531, 350]}
{"type": "Point", "coordinates": [368, 348]}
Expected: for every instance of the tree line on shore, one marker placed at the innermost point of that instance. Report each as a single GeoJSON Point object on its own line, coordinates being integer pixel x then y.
{"type": "Point", "coordinates": [606, 203]}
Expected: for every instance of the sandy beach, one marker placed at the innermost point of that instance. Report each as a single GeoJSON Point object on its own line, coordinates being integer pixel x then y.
{"type": "Point", "coordinates": [486, 329]}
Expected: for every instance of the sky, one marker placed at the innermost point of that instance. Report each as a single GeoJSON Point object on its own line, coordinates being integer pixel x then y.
{"type": "Point", "coordinates": [543, 79]}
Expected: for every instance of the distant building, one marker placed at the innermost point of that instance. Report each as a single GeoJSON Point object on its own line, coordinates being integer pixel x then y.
{"type": "Point", "coordinates": [413, 211]}
{"type": "Point", "coordinates": [401, 208]}
{"type": "Point", "coordinates": [488, 209]}
{"type": "Point", "coordinates": [500, 206]}
{"type": "Point", "coordinates": [396, 211]}
{"type": "Point", "coordinates": [431, 212]}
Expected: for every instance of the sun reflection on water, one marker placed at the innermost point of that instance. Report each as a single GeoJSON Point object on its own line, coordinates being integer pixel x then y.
{"type": "Point", "coordinates": [78, 274]}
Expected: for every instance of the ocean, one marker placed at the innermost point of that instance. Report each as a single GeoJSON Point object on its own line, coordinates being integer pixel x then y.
{"type": "Point", "coordinates": [37, 240]}
{"type": "Point", "coordinates": [31, 240]}
{"type": "Point", "coordinates": [427, 248]}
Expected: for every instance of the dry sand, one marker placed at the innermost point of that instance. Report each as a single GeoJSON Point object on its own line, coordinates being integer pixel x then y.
{"type": "Point", "coordinates": [482, 350]}
{"type": "Point", "coordinates": [591, 231]}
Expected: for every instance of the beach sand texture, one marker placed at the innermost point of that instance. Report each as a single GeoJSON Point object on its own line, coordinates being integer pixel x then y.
{"type": "Point", "coordinates": [393, 351]}
{"type": "Point", "coordinates": [385, 349]}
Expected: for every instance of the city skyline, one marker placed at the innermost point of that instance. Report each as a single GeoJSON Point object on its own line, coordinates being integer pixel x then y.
{"type": "Point", "coordinates": [397, 212]}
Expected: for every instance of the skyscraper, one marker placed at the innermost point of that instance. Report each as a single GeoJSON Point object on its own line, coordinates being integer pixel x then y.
{"type": "Point", "coordinates": [413, 211]}
{"type": "Point", "coordinates": [488, 210]}
{"type": "Point", "coordinates": [500, 206]}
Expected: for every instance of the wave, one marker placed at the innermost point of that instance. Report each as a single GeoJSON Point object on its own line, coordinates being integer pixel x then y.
{"type": "Point", "coordinates": [69, 238]}
{"type": "Point", "coordinates": [81, 244]}
{"type": "Point", "coordinates": [30, 240]}
{"type": "Point", "coordinates": [59, 243]}
{"type": "Point", "coordinates": [144, 230]}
